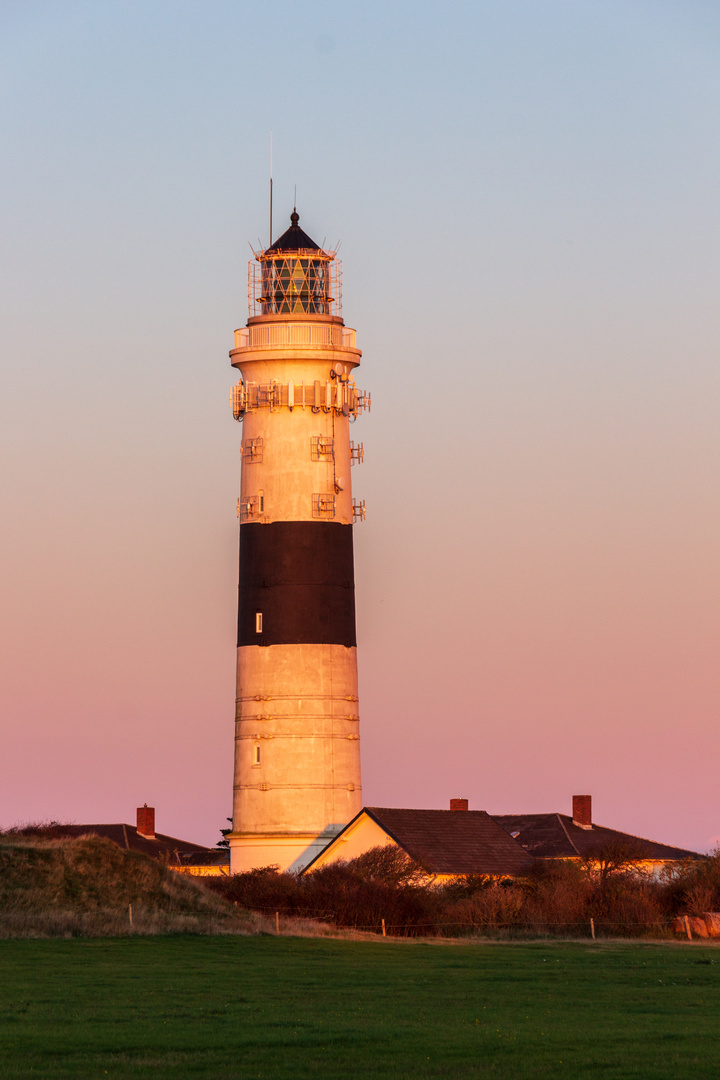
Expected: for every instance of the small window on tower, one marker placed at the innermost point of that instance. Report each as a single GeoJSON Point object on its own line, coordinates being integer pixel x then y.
{"type": "Point", "coordinates": [256, 753]}
{"type": "Point", "coordinates": [258, 622]}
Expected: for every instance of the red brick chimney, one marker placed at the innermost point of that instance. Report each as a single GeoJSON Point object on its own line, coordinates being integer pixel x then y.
{"type": "Point", "coordinates": [582, 811]}
{"type": "Point", "coordinates": [458, 804]}
{"type": "Point", "coordinates": [146, 821]}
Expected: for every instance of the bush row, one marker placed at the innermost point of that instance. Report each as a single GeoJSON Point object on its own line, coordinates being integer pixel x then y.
{"type": "Point", "coordinates": [557, 895]}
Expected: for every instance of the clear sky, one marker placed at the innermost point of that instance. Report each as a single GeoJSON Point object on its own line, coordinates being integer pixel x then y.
{"type": "Point", "coordinates": [526, 192]}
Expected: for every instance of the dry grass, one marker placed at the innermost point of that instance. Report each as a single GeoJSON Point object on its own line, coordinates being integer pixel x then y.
{"type": "Point", "coordinates": [90, 887]}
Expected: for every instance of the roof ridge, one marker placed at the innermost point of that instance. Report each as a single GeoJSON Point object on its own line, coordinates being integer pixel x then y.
{"type": "Point", "coordinates": [368, 811]}
{"type": "Point", "coordinates": [564, 829]}
{"type": "Point", "coordinates": [427, 810]}
{"type": "Point", "coordinates": [528, 814]}
{"type": "Point", "coordinates": [645, 839]}
{"type": "Point", "coordinates": [409, 848]}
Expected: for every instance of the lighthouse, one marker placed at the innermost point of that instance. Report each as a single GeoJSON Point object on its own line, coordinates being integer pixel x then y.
{"type": "Point", "coordinates": [297, 748]}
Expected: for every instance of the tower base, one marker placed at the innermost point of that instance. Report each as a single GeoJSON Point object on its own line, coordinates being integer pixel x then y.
{"type": "Point", "coordinates": [285, 852]}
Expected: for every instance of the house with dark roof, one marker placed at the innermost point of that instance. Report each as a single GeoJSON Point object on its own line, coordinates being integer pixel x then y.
{"type": "Point", "coordinates": [181, 855]}
{"type": "Point", "coordinates": [447, 843]}
{"type": "Point", "coordinates": [562, 836]}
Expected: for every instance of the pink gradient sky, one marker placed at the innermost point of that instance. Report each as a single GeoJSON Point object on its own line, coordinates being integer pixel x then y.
{"type": "Point", "coordinates": [527, 199]}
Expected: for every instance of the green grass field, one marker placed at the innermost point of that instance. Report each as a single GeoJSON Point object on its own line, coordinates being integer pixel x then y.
{"type": "Point", "coordinates": [226, 1007]}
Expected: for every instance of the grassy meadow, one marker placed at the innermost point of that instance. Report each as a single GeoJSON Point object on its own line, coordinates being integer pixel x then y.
{"type": "Point", "coordinates": [292, 1008]}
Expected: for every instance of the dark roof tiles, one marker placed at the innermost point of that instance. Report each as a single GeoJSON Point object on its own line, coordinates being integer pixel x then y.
{"type": "Point", "coordinates": [555, 836]}
{"type": "Point", "coordinates": [127, 836]}
{"type": "Point", "coordinates": [293, 239]}
{"type": "Point", "coordinates": [453, 842]}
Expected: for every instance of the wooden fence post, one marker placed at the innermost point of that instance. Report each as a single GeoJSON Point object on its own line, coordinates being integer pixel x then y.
{"type": "Point", "coordinates": [592, 928]}
{"type": "Point", "coordinates": [277, 922]}
{"type": "Point", "coordinates": [130, 913]}
{"type": "Point", "coordinates": [383, 927]}
{"type": "Point", "coordinates": [687, 927]}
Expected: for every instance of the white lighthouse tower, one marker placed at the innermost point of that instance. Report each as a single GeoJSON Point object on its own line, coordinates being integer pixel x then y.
{"type": "Point", "coordinates": [297, 750]}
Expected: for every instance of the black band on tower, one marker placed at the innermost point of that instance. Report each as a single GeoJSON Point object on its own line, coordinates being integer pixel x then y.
{"type": "Point", "coordinates": [297, 584]}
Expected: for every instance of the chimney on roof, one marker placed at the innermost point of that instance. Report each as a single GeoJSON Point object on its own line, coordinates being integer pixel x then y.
{"type": "Point", "coordinates": [582, 811]}
{"type": "Point", "coordinates": [146, 821]}
{"type": "Point", "coordinates": [458, 804]}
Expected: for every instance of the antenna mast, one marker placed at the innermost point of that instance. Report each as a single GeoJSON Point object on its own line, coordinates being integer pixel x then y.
{"type": "Point", "coordinates": [270, 189]}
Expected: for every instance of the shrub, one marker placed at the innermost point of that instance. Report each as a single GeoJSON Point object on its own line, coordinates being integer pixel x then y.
{"type": "Point", "coordinates": [480, 902]}
{"type": "Point", "coordinates": [263, 889]}
{"type": "Point", "coordinates": [388, 864]}
{"type": "Point", "coordinates": [381, 884]}
{"type": "Point", "coordinates": [556, 896]}
{"type": "Point", "coordinates": [693, 885]}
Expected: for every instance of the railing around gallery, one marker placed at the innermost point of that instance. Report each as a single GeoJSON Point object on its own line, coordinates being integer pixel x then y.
{"type": "Point", "coordinates": [300, 334]}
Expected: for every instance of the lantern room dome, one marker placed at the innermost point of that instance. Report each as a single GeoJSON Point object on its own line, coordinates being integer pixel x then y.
{"type": "Point", "coordinates": [296, 277]}
{"type": "Point", "coordinates": [293, 239]}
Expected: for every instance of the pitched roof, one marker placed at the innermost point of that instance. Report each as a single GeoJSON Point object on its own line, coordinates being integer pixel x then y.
{"type": "Point", "coordinates": [127, 836]}
{"type": "Point", "coordinates": [453, 842]}
{"type": "Point", "coordinates": [555, 836]}
{"type": "Point", "coordinates": [293, 239]}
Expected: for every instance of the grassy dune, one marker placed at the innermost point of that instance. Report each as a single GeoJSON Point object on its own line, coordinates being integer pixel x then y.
{"type": "Point", "coordinates": [88, 885]}
{"type": "Point", "coordinates": [290, 1009]}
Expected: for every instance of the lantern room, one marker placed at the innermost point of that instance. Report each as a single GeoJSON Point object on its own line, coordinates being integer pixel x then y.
{"type": "Point", "coordinates": [294, 276]}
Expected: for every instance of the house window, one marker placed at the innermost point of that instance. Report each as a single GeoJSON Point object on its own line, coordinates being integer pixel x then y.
{"type": "Point", "coordinates": [258, 622]}
{"type": "Point", "coordinates": [256, 753]}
